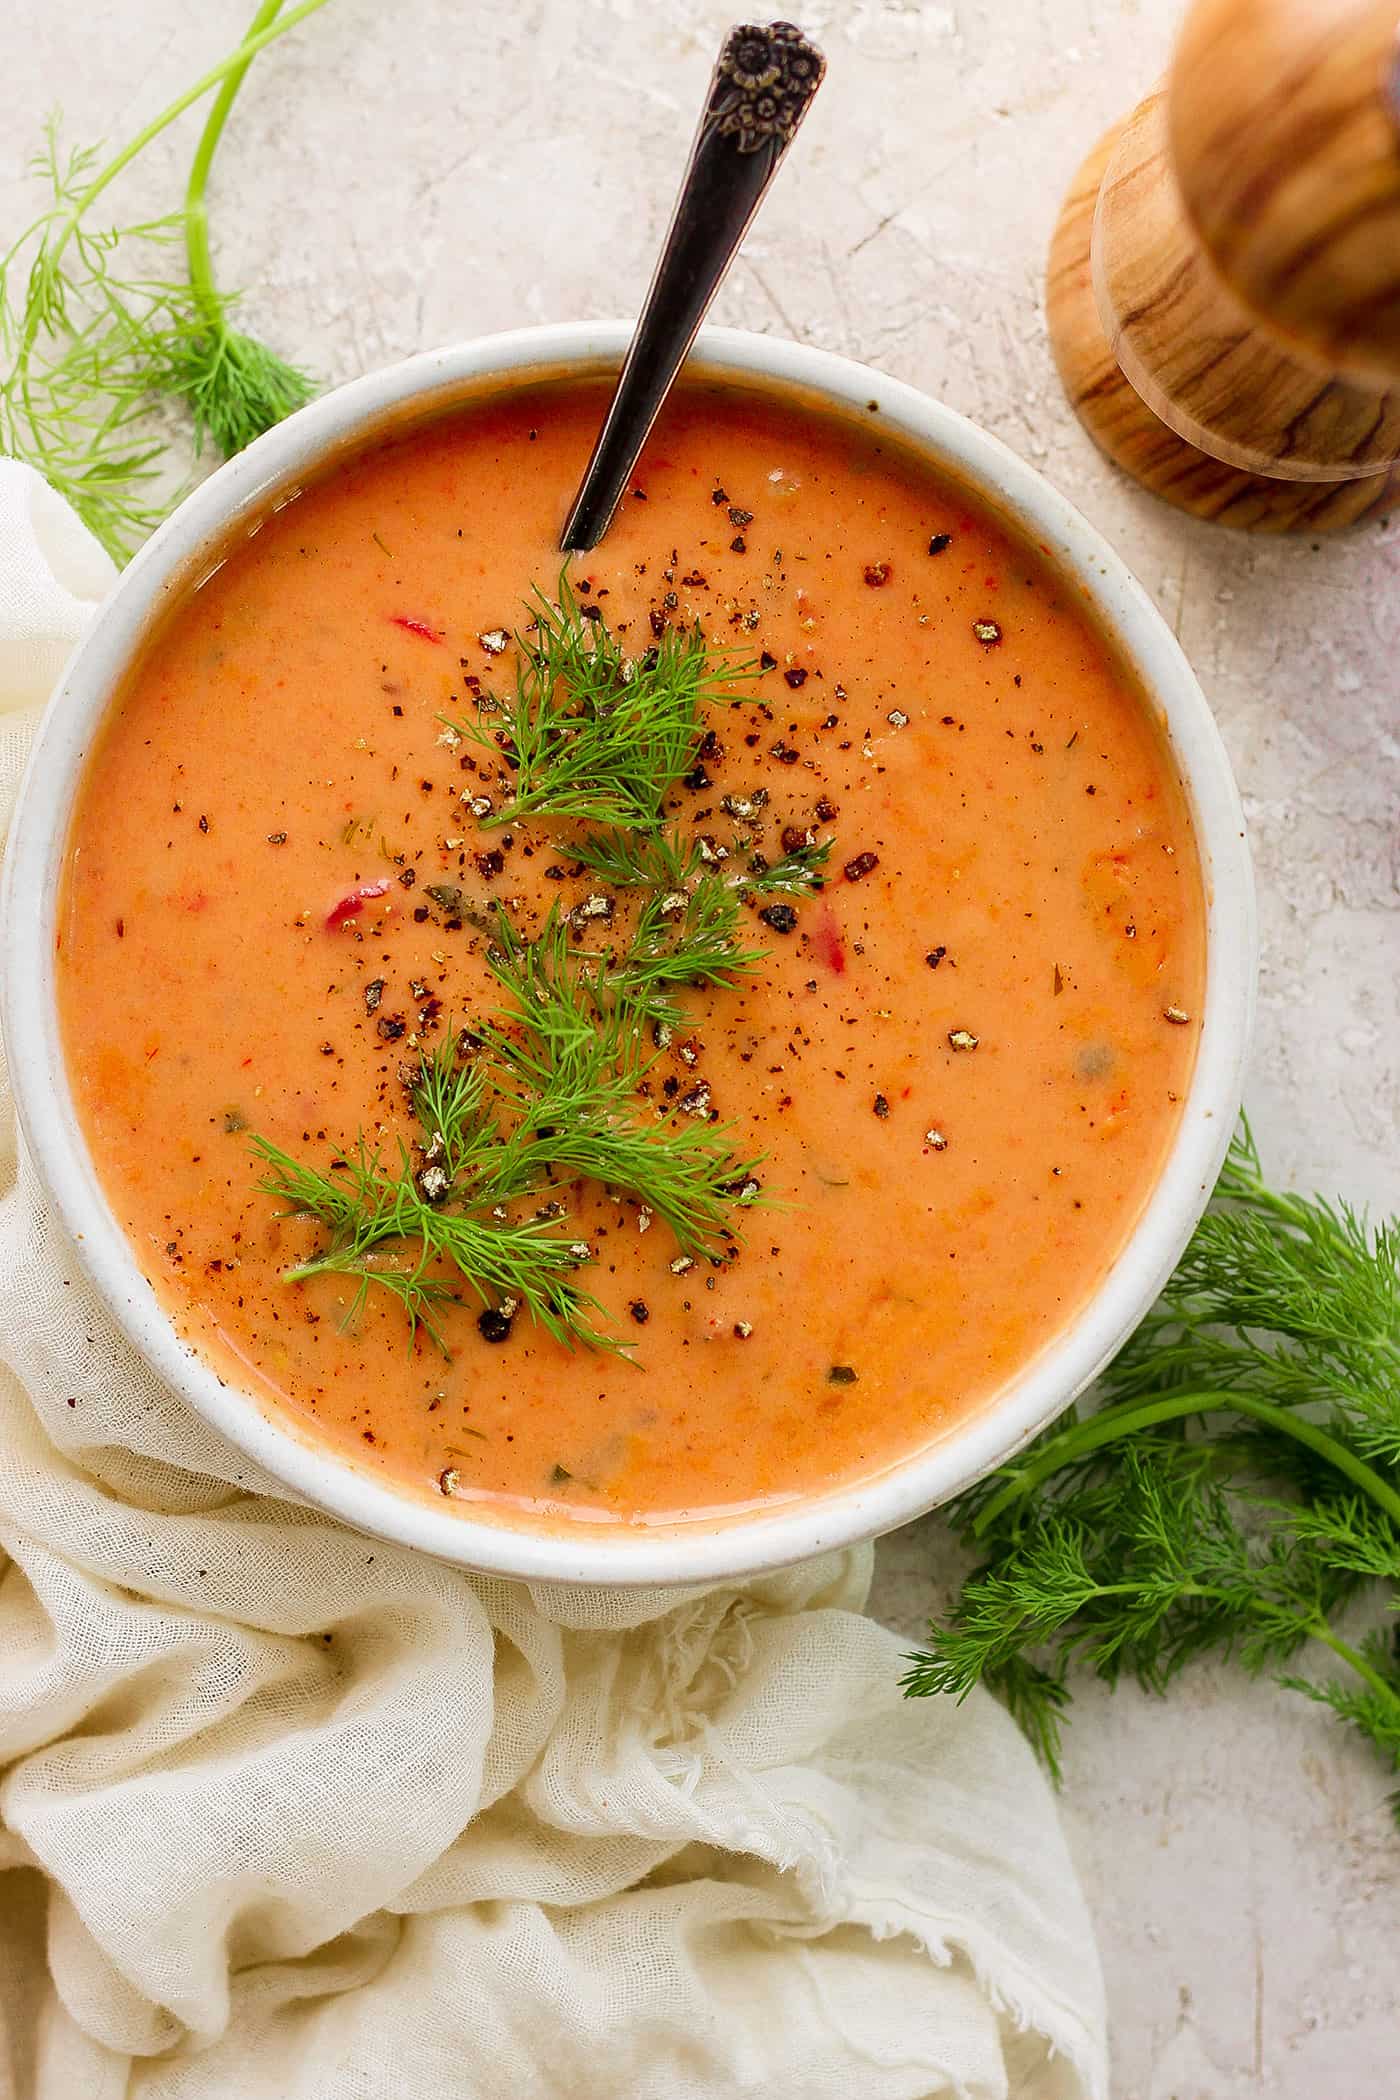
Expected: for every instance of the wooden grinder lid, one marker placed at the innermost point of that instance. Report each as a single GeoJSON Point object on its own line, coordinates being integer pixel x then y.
{"type": "Point", "coordinates": [1284, 121]}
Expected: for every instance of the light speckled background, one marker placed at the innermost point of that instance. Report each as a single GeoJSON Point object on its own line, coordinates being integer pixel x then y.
{"type": "Point", "coordinates": [400, 175]}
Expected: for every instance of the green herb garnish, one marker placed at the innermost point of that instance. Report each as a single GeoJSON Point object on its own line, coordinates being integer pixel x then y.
{"type": "Point", "coordinates": [662, 860]}
{"type": "Point", "coordinates": [576, 1063]}
{"type": "Point", "coordinates": [546, 1091]}
{"type": "Point", "coordinates": [591, 733]}
{"type": "Point", "coordinates": [384, 1232]}
{"type": "Point", "coordinates": [235, 385]}
{"type": "Point", "coordinates": [1239, 1485]}
{"type": "Point", "coordinates": [556, 1087]}
{"type": "Point", "coordinates": [640, 860]}
{"type": "Point", "coordinates": [688, 931]}
{"type": "Point", "coordinates": [685, 937]}
{"type": "Point", "coordinates": [94, 336]}
{"type": "Point", "coordinates": [797, 874]}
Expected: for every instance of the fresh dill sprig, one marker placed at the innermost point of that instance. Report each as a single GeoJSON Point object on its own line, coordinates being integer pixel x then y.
{"type": "Point", "coordinates": [663, 860]}
{"type": "Point", "coordinates": [688, 930]}
{"type": "Point", "coordinates": [640, 860]}
{"type": "Point", "coordinates": [685, 937]}
{"type": "Point", "coordinates": [413, 1228]}
{"type": "Point", "coordinates": [555, 1088]}
{"type": "Point", "coordinates": [546, 1093]}
{"type": "Point", "coordinates": [798, 874]}
{"type": "Point", "coordinates": [572, 1045]}
{"type": "Point", "coordinates": [94, 333]}
{"type": "Point", "coordinates": [1240, 1483]}
{"type": "Point", "coordinates": [385, 1232]}
{"type": "Point", "coordinates": [235, 385]}
{"type": "Point", "coordinates": [590, 733]}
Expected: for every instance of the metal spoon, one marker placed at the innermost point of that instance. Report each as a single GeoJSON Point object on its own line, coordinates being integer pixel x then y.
{"type": "Point", "coordinates": [760, 90]}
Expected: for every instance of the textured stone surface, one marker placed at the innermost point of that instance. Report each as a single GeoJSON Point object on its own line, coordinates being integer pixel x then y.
{"type": "Point", "coordinates": [401, 175]}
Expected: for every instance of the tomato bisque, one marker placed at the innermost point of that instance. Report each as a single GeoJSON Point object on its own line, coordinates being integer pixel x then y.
{"type": "Point", "coordinates": [564, 1153]}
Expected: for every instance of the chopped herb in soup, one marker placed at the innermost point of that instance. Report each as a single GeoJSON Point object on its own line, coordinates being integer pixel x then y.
{"type": "Point", "coordinates": [648, 1037]}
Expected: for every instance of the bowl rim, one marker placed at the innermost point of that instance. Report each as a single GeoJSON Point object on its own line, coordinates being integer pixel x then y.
{"type": "Point", "coordinates": [623, 1554]}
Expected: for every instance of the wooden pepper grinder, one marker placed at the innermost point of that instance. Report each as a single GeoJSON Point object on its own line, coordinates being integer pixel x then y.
{"type": "Point", "coordinates": [1224, 282]}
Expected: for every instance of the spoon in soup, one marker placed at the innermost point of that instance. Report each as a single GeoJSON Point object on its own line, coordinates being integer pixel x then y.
{"type": "Point", "coordinates": [761, 89]}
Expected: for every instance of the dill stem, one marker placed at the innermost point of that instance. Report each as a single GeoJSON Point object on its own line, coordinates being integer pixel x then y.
{"type": "Point", "coordinates": [235, 62]}
{"type": "Point", "coordinates": [1365, 1670]}
{"type": "Point", "coordinates": [1289, 1210]}
{"type": "Point", "coordinates": [327, 1264]}
{"type": "Point", "coordinates": [1294, 1211]}
{"type": "Point", "coordinates": [1130, 1416]}
{"type": "Point", "coordinates": [201, 266]}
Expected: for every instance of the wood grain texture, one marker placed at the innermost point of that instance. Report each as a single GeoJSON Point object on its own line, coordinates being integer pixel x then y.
{"type": "Point", "coordinates": [1123, 426]}
{"type": "Point", "coordinates": [1238, 388]}
{"type": "Point", "coordinates": [1224, 291]}
{"type": "Point", "coordinates": [1284, 123]}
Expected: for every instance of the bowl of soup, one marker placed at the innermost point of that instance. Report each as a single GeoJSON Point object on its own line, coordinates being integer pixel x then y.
{"type": "Point", "coordinates": [645, 1068]}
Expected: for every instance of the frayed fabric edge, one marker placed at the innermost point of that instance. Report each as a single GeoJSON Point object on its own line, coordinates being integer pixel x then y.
{"type": "Point", "coordinates": [1021, 2001]}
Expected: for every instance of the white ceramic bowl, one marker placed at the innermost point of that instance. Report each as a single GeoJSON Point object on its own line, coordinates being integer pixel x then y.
{"type": "Point", "coordinates": [274, 467]}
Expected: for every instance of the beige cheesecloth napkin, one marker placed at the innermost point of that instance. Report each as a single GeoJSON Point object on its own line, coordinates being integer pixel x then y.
{"type": "Point", "coordinates": [285, 1811]}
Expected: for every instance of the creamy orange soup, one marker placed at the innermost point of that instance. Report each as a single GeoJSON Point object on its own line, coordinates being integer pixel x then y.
{"type": "Point", "coordinates": [962, 1065]}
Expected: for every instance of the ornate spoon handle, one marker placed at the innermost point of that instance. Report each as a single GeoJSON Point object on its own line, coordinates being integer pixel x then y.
{"type": "Point", "coordinates": [760, 90]}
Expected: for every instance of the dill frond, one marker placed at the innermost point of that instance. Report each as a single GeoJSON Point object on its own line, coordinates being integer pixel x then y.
{"type": "Point", "coordinates": [384, 1233]}
{"type": "Point", "coordinates": [1236, 1488]}
{"type": "Point", "coordinates": [686, 938]}
{"type": "Point", "coordinates": [235, 386]}
{"type": "Point", "coordinates": [590, 733]}
{"type": "Point", "coordinates": [555, 1086]}
{"type": "Point", "coordinates": [572, 1045]}
{"type": "Point", "coordinates": [640, 860]}
{"type": "Point", "coordinates": [687, 930]}
{"type": "Point", "coordinates": [96, 333]}
{"type": "Point", "coordinates": [797, 874]}
{"type": "Point", "coordinates": [547, 1092]}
